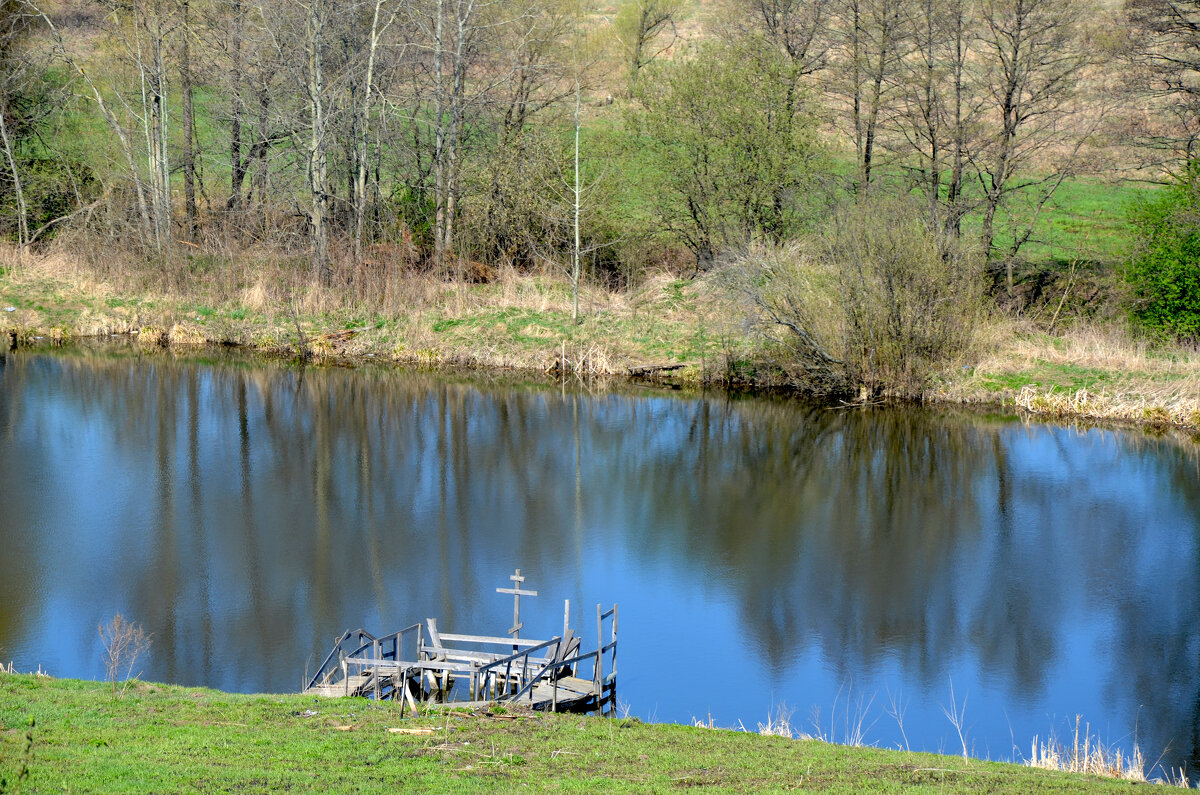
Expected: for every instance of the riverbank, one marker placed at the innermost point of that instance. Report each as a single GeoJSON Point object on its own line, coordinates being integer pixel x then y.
{"type": "Point", "coordinates": [167, 738]}
{"type": "Point", "coordinates": [523, 322]}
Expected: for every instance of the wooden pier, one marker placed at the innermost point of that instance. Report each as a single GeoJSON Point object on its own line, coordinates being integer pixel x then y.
{"type": "Point", "coordinates": [420, 664]}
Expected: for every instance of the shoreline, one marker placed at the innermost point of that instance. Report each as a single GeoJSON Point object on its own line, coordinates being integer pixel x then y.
{"type": "Point", "coordinates": [687, 349]}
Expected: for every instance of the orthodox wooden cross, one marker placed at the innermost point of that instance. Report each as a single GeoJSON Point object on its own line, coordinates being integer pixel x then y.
{"type": "Point", "coordinates": [517, 594]}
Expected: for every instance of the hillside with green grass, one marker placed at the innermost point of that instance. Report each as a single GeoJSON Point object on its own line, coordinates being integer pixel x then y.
{"type": "Point", "coordinates": [75, 736]}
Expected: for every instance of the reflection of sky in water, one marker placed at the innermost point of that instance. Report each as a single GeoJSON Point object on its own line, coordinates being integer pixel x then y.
{"type": "Point", "coordinates": [819, 559]}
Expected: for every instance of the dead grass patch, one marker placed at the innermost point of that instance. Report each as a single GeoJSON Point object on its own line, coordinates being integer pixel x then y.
{"type": "Point", "coordinates": [1101, 373]}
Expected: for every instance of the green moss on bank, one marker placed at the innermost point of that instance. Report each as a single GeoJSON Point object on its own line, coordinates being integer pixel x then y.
{"type": "Point", "coordinates": [165, 738]}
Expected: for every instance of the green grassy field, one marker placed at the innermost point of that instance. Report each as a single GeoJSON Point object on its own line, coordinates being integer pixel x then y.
{"type": "Point", "coordinates": [162, 738]}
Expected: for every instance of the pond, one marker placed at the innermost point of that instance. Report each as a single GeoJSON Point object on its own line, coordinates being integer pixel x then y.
{"type": "Point", "coordinates": [863, 572]}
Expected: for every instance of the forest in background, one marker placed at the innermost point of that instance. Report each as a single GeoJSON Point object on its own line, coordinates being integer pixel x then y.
{"type": "Point", "coordinates": [865, 183]}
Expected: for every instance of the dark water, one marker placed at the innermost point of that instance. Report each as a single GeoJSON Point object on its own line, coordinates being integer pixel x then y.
{"type": "Point", "coordinates": [834, 561]}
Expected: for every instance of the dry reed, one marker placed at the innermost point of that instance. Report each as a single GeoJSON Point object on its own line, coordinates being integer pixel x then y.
{"type": "Point", "coordinates": [1086, 754]}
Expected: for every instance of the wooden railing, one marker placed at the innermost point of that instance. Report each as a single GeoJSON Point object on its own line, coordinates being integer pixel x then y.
{"type": "Point", "coordinates": [332, 662]}
{"type": "Point", "coordinates": [606, 686]}
{"type": "Point", "coordinates": [487, 675]}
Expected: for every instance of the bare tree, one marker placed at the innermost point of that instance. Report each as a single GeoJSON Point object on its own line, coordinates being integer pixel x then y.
{"type": "Point", "coordinates": [938, 109]}
{"type": "Point", "coordinates": [146, 30]}
{"type": "Point", "coordinates": [1166, 51]}
{"type": "Point", "coordinates": [1035, 66]}
{"type": "Point", "coordinates": [641, 26]}
{"type": "Point", "coordinates": [872, 43]}
{"type": "Point", "coordinates": [116, 123]}
{"type": "Point", "coordinates": [318, 146]}
{"type": "Point", "coordinates": [13, 27]}
{"type": "Point", "coordinates": [188, 118]}
{"type": "Point", "coordinates": [381, 19]}
{"type": "Point", "coordinates": [800, 28]}
{"type": "Point", "coordinates": [301, 35]}
{"type": "Point", "coordinates": [237, 166]}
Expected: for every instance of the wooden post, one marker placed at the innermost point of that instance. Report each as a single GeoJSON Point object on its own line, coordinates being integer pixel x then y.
{"type": "Point", "coordinates": [377, 653]}
{"type": "Point", "coordinates": [408, 696]}
{"type": "Point", "coordinates": [598, 672]}
{"type": "Point", "coordinates": [517, 593]}
{"type": "Point", "coordinates": [614, 641]}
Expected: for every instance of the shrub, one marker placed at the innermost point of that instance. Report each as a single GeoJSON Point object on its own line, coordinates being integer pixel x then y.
{"type": "Point", "coordinates": [875, 304]}
{"type": "Point", "coordinates": [1164, 270]}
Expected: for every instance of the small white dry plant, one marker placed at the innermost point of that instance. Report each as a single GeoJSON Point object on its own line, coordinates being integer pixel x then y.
{"type": "Point", "coordinates": [124, 642]}
{"type": "Point", "coordinates": [853, 720]}
{"type": "Point", "coordinates": [957, 714]}
{"type": "Point", "coordinates": [779, 723]}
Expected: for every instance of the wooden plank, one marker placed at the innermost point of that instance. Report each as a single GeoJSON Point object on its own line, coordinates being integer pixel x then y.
{"type": "Point", "coordinates": [582, 686]}
{"type": "Point", "coordinates": [351, 685]}
{"type": "Point", "coordinates": [434, 637]}
{"type": "Point", "coordinates": [446, 636]}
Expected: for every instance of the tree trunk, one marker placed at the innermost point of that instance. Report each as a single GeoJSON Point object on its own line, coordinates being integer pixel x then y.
{"type": "Point", "coordinates": [575, 249]}
{"type": "Point", "coordinates": [318, 154]}
{"type": "Point", "coordinates": [954, 208]}
{"type": "Point", "coordinates": [363, 141]}
{"type": "Point", "coordinates": [237, 167]}
{"type": "Point", "coordinates": [19, 194]}
{"type": "Point", "coordinates": [261, 147]}
{"type": "Point", "coordinates": [189, 152]}
{"type": "Point", "coordinates": [439, 139]}
{"type": "Point", "coordinates": [154, 118]}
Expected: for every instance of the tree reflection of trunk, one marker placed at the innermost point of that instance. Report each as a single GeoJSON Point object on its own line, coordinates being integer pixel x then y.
{"type": "Point", "coordinates": [199, 539]}
{"type": "Point", "coordinates": [313, 401]}
{"type": "Point", "coordinates": [249, 542]}
{"type": "Point", "coordinates": [166, 543]}
{"type": "Point", "coordinates": [365, 488]}
{"type": "Point", "coordinates": [445, 451]}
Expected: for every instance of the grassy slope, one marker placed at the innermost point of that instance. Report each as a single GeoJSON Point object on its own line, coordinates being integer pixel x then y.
{"type": "Point", "coordinates": [168, 738]}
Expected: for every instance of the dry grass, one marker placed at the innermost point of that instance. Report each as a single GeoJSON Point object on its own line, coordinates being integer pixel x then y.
{"type": "Point", "coordinates": [516, 320]}
{"type": "Point", "coordinates": [1088, 755]}
{"type": "Point", "coordinates": [1169, 409]}
{"type": "Point", "coordinates": [779, 723]}
{"type": "Point", "coordinates": [1101, 373]}
{"type": "Point", "coordinates": [1112, 347]}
